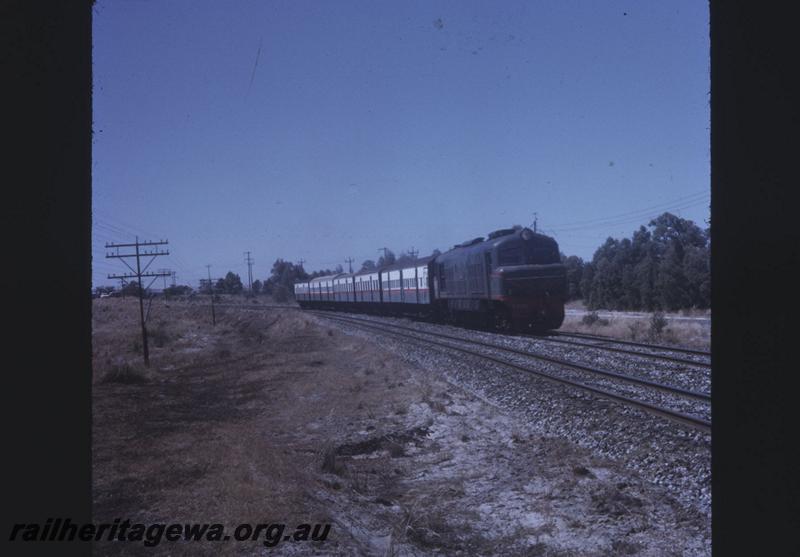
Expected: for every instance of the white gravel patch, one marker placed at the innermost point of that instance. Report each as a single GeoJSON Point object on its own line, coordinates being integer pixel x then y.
{"type": "Point", "coordinates": [670, 455]}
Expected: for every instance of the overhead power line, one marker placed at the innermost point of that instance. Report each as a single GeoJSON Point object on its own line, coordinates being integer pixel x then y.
{"type": "Point", "coordinates": [632, 218]}
{"type": "Point", "coordinates": [104, 230]}
{"type": "Point", "coordinates": [123, 227]}
{"type": "Point", "coordinates": [679, 202]}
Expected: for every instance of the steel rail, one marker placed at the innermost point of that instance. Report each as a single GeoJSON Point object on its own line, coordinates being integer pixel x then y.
{"type": "Point", "coordinates": [632, 343]}
{"type": "Point", "coordinates": [687, 419]}
{"type": "Point", "coordinates": [558, 361]}
{"type": "Point", "coordinates": [554, 338]}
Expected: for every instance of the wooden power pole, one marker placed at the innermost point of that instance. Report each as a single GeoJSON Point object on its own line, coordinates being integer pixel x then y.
{"type": "Point", "coordinates": [249, 260]}
{"type": "Point", "coordinates": [139, 273]}
{"type": "Point", "coordinates": [211, 290]}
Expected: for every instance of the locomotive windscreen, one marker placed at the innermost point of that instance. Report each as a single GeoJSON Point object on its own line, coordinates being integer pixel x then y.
{"type": "Point", "coordinates": [536, 251]}
{"type": "Point", "coordinates": [543, 254]}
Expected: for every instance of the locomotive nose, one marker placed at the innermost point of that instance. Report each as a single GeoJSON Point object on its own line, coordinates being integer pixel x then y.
{"type": "Point", "coordinates": [533, 295]}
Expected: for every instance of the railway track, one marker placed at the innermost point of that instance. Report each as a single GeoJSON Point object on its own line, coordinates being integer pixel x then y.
{"type": "Point", "coordinates": [692, 420]}
{"type": "Point", "coordinates": [654, 351]}
{"type": "Point", "coordinates": [446, 341]}
{"type": "Point", "coordinates": [663, 347]}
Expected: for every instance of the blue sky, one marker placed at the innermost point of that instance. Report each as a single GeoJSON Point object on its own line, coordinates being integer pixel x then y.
{"type": "Point", "coordinates": [325, 130]}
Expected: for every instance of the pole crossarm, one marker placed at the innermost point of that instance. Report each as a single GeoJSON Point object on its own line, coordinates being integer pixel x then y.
{"type": "Point", "coordinates": [134, 275]}
{"type": "Point", "coordinates": [141, 254]}
{"type": "Point", "coordinates": [159, 243]}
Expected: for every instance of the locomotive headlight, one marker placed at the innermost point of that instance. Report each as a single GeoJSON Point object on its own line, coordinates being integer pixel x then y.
{"type": "Point", "coordinates": [526, 234]}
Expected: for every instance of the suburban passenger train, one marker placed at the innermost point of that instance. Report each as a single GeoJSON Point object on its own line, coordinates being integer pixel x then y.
{"type": "Point", "coordinates": [513, 279]}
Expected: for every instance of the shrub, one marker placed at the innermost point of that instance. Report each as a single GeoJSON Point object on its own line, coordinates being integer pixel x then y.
{"type": "Point", "coordinates": [280, 293]}
{"type": "Point", "coordinates": [159, 335]}
{"type": "Point", "coordinates": [590, 318]}
{"type": "Point", "coordinates": [657, 324]}
{"type": "Point", "coordinates": [329, 463]}
{"type": "Point", "coordinates": [636, 330]}
{"type": "Point", "coordinates": [124, 373]}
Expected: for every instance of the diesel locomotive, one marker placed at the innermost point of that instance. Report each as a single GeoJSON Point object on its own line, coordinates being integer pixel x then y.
{"type": "Point", "coordinates": [513, 279]}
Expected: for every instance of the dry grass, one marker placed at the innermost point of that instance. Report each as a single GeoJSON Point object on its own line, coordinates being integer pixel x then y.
{"type": "Point", "coordinates": [185, 439]}
{"type": "Point", "coordinates": [425, 525]}
{"type": "Point", "coordinates": [232, 423]}
{"type": "Point", "coordinates": [690, 334]}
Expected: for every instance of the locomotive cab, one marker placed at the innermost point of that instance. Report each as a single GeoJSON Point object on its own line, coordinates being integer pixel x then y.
{"type": "Point", "coordinates": [514, 278]}
{"type": "Point", "coordinates": [527, 280]}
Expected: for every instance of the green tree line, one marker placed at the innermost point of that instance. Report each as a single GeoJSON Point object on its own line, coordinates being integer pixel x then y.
{"type": "Point", "coordinates": [664, 266]}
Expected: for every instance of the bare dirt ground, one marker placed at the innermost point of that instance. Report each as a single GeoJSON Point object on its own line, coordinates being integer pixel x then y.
{"type": "Point", "coordinates": [275, 416]}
